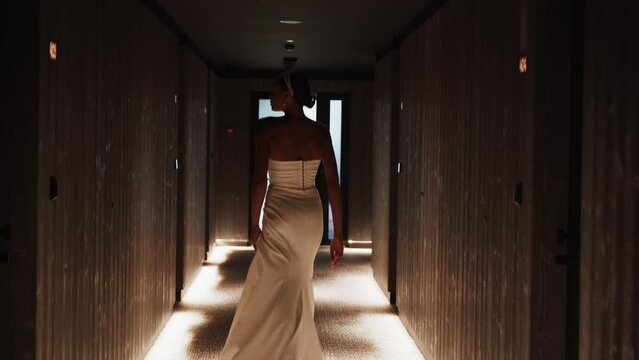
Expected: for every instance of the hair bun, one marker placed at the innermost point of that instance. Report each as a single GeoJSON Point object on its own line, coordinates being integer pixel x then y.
{"type": "Point", "coordinates": [311, 101]}
{"type": "Point", "coordinates": [300, 87]}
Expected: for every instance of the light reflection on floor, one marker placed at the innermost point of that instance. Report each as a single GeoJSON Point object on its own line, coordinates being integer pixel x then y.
{"type": "Point", "coordinates": [353, 317]}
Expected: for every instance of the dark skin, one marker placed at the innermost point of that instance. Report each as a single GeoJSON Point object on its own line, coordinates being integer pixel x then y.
{"type": "Point", "coordinates": [295, 137]}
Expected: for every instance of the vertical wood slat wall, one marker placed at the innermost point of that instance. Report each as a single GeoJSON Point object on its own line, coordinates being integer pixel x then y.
{"type": "Point", "coordinates": [609, 316]}
{"type": "Point", "coordinates": [382, 117]}
{"type": "Point", "coordinates": [67, 236]}
{"type": "Point", "coordinates": [193, 176]}
{"type": "Point", "coordinates": [108, 133]}
{"type": "Point", "coordinates": [212, 161]}
{"type": "Point", "coordinates": [107, 243]}
{"type": "Point", "coordinates": [547, 112]}
{"type": "Point", "coordinates": [139, 118]}
{"type": "Point", "coordinates": [485, 282]}
{"type": "Point", "coordinates": [476, 128]}
{"type": "Point", "coordinates": [463, 246]}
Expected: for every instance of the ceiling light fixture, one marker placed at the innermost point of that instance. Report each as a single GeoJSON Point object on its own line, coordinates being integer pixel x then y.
{"type": "Point", "coordinates": [289, 45]}
{"type": "Point", "coordinates": [290, 22]}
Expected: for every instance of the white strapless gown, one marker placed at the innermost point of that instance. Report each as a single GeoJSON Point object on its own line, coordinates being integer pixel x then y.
{"type": "Point", "coordinates": [274, 317]}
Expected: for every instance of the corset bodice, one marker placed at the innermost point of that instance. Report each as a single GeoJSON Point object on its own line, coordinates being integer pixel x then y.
{"type": "Point", "coordinates": [294, 174]}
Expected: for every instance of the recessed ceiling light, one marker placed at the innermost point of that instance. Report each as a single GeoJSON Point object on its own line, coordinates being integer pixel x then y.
{"type": "Point", "coordinates": [290, 22]}
{"type": "Point", "coordinates": [289, 45]}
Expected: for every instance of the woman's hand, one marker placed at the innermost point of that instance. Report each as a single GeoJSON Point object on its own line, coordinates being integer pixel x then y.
{"type": "Point", "coordinates": [255, 234]}
{"type": "Point", "coordinates": [336, 249]}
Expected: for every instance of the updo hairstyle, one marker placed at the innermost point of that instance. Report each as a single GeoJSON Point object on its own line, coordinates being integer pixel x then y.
{"type": "Point", "coordinates": [299, 85]}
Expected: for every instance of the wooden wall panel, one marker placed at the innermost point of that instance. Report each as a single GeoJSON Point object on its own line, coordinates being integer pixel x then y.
{"type": "Point", "coordinates": [193, 160]}
{"type": "Point", "coordinates": [463, 274]}
{"type": "Point", "coordinates": [67, 231]}
{"type": "Point", "coordinates": [108, 125]}
{"type": "Point", "coordinates": [212, 161]}
{"type": "Point", "coordinates": [232, 179]}
{"type": "Point", "coordinates": [232, 156]}
{"type": "Point", "coordinates": [19, 161]}
{"type": "Point", "coordinates": [135, 258]}
{"type": "Point", "coordinates": [381, 161]}
{"type": "Point", "coordinates": [548, 116]}
{"type": "Point", "coordinates": [478, 276]}
{"type": "Point", "coordinates": [610, 193]}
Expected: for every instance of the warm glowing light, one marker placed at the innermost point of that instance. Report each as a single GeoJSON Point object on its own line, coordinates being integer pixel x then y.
{"type": "Point", "coordinates": [53, 50]}
{"type": "Point", "coordinates": [175, 98]}
{"type": "Point", "coordinates": [354, 287]}
{"type": "Point", "coordinates": [231, 242]}
{"type": "Point", "coordinates": [401, 105]}
{"type": "Point", "coordinates": [206, 291]}
{"type": "Point", "coordinates": [212, 296]}
{"type": "Point", "coordinates": [176, 335]}
{"type": "Point", "coordinates": [360, 242]}
{"type": "Point", "coordinates": [218, 255]}
{"type": "Point", "coordinates": [290, 22]}
{"type": "Point", "coordinates": [523, 64]}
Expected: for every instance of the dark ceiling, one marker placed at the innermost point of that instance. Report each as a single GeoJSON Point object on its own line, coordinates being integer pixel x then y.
{"type": "Point", "coordinates": [334, 37]}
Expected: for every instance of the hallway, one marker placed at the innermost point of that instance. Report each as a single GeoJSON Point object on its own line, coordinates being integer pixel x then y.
{"type": "Point", "coordinates": [488, 159]}
{"type": "Point", "coordinates": [353, 317]}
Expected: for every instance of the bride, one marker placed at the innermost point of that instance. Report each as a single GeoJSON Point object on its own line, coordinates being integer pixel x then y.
{"type": "Point", "coordinates": [274, 317]}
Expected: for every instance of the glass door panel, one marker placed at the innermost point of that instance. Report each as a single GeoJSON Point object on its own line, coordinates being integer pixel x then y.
{"type": "Point", "coordinates": [335, 128]}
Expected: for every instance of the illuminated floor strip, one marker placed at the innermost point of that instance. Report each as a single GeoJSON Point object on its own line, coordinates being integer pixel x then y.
{"type": "Point", "coordinates": [353, 317]}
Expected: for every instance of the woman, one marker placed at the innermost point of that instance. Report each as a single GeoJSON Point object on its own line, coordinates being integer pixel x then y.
{"type": "Point", "coordinates": [274, 318]}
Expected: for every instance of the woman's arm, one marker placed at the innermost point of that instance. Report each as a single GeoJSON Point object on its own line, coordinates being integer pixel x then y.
{"type": "Point", "coordinates": [259, 181]}
{"type": "Point", "coordinates": [334, 198]}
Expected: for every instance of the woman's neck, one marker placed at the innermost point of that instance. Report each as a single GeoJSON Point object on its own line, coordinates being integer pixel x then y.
{"type": "Point", "coordinates": [295, 113]}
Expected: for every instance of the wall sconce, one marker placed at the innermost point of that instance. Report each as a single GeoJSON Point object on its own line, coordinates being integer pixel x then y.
{"type": "Point", "coordinates": [523, 64]}
{"type": "Point", "coordinates": [53, 50]}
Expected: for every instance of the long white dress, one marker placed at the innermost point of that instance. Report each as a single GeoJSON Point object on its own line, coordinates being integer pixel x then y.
{"type": "Point", "coordinates": [274, 317]}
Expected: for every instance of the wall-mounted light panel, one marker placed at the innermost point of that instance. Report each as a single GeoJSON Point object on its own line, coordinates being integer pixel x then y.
{"type": "Point", "coordinates": [53, 50]}
{"type": "Point", "coordinates": [523, 64]}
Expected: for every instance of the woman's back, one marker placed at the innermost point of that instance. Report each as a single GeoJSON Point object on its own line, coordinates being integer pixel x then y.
{"type": "Point", "coordinates": [294, 139]}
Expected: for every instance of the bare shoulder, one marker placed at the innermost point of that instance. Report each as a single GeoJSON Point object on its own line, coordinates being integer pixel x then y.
{"type": "Point", "coordinates": [322, 135]}
{"type": "Point", "coordinates": [320, 130]}
{"type": "Point", "coordinates": [265, 125]}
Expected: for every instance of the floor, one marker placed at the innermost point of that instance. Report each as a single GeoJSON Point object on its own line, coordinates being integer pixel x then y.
{"type": "Point", "coordinates": [353, 317]}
